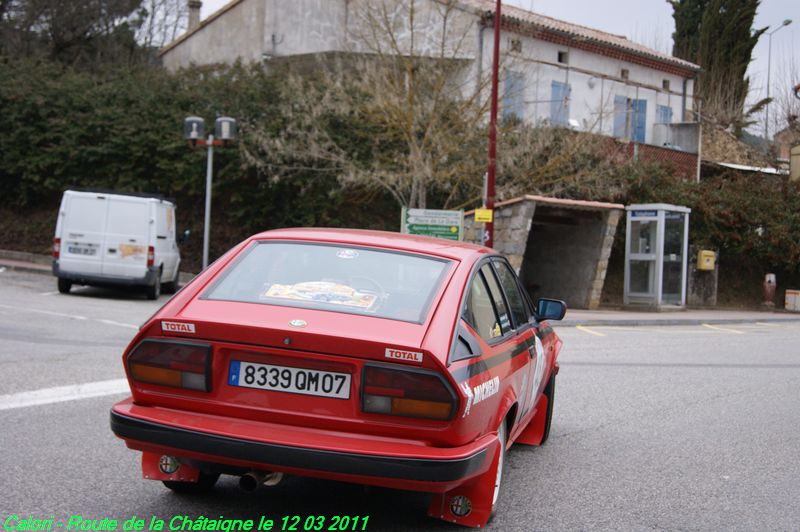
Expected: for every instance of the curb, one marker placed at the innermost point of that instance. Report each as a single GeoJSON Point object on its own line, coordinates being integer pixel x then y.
{"type": "Point", "coordinates": [31, 263]}
{"type": "Point", "coordinates": [667, 322]}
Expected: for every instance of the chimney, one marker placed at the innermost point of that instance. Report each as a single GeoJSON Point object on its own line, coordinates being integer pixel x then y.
{"type": "Point", "coordinates": [194, 13]}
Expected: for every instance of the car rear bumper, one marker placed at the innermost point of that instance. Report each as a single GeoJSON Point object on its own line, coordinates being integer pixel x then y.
{"type": "Point", "coordinates": [106, 280]}
{"type": "Point", "coordinates": [345, 457]}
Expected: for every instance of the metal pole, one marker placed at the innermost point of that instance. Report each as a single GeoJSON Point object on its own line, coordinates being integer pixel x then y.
{"type": "Point", "coordinates": [207, 223]}
{"type": "Point", "coordinates": [769, 67]}
{"type": "Point", "coordinates": [490, 183]}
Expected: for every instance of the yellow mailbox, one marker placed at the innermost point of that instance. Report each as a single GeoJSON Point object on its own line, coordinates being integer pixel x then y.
{"type": "Point", "coordinates": [706, 259]}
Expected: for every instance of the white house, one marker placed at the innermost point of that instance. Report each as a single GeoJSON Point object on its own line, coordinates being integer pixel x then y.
{"type": "Point", "coordinates": [554, 72]}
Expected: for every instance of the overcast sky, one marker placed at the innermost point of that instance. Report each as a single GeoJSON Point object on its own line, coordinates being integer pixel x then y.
{"type": "Point", "coordinates": [649, 22]}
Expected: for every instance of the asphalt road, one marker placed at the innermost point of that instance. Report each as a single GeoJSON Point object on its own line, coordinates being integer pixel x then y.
{"type": "Point", "coordinates": [669, 428]}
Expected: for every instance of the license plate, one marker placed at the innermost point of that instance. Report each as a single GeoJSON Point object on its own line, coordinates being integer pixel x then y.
{"type": "Point", "coordinates": [287, 379]}
{"type": "Point", "coordinates": [80, 250]}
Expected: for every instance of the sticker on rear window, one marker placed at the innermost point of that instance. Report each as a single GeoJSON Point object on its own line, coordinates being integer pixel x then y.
{"type": "Point", "coordinates": [174, 326]}
{"type": "Point", "coordinates": [404, 356]}
{"type": "Point", "coordinates": [347, 253]}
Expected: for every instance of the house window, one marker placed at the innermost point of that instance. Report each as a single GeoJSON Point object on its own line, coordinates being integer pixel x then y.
{"type": "Point", "coordinates": [515, 45]}
{"type": "Point", "coordinates": [665, 84]}
{"type": "Point", "coordinates": [559, 103]}
{"type": "Point", "coordinates": [630, 118]}
{"type": "Point", "coordinates": [513, 95]}
{"type": "Point", "coordinates": [563, 58]}
{"type": "Point", "coordinates": [664, 114]}
{"type": "Point", "coordinates": [625, 73]}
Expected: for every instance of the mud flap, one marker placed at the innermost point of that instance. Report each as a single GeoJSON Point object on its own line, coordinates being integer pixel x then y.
{"type": "Point", "coordinates": [534, 432]}
{"type": "Point", "coordinates": [471, 503]}
{"type": "Point", "coordinates": [152, 470]}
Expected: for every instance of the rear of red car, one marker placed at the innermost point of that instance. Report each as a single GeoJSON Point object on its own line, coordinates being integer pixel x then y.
{"type": "Point", "coordinates": [317, 358]}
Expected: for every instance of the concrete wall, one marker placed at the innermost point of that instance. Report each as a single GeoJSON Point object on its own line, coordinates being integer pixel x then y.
{"type": "Point", "coordinates": [236, 34]}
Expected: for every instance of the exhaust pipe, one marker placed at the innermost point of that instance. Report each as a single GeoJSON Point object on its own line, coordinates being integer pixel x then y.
{"type": "Point", "coordinates": [252, 480]}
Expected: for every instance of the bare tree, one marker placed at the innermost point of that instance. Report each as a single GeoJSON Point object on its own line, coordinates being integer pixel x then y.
{"type": "Point", "coordinates": [409, 85]}
{"type": "Point", "coordinates": [163, 21]}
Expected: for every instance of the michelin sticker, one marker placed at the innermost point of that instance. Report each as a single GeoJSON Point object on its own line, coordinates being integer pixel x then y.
{"type": "Point", "coordinates": [479, 393]}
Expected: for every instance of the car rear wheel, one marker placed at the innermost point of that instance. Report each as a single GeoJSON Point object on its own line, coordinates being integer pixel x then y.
{"type": "Point", "coordinates": [204, 483]}
{"type": "Point", "coordinates": [64, 285]}
{"type": "Point", "coordinates": [154, 290]}
{"type": "Point", "coordinates": [550, 393]}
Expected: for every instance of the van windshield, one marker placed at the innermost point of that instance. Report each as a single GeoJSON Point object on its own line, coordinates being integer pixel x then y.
{"type": "Point", "coordinates": [355, 280]}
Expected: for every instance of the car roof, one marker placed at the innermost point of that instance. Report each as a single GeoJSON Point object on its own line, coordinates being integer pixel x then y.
{"type": "Point", "coordinates": [462, 251]}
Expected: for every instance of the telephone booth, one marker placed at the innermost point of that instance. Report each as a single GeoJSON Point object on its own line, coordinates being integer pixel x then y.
{"type": "Point", "coordinates": [656, 250]}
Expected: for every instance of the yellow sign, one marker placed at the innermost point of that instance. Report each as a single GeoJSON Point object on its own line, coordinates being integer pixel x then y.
{"type": "Point", "coordinates": [484, 215]}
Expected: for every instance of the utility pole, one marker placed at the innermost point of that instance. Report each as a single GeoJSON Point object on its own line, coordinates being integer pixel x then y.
{"type": "Point", "coordinates": [769, 68]}
{"type": "Point", "coordinates": [490, 179]}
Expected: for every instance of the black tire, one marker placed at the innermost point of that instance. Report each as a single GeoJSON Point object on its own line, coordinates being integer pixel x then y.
{"type": "Point", "coordinates": [204, 484]}
{"type": "Point", "coordinates": [550, 393]}
{"type": "Point", "coordinates": [174, 285]}
{"type": "Point", "coordinates": [154, 290]}
{"type": "Point", "coordinates": [64, 285]}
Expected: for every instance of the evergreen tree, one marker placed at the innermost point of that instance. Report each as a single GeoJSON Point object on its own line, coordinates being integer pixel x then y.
{"type": "Point", "coordinates": [688, 15]}
{"type": "Point", "coordinates": [718, 35]}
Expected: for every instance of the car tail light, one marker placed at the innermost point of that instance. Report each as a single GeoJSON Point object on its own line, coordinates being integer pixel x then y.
{"type": "Point", "coordinates": [172, 363]}
{"type": "Point", "coordinates": [56, 247]}
{"type": "Point", "coordinates": [406, 392]}
{"type": "Point", "coordinates": [151, 256]}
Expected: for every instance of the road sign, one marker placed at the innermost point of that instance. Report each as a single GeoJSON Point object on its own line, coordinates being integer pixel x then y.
{"type": "Point", "coordinates": [432, 222]}
{"type": "Point", "coordinates": [484, 215]}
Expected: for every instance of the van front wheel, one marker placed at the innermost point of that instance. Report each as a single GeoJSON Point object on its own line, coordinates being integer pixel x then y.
{"type": "Point", "coordinates": [172, 286]}
{"type": "Point", "coordinates": [154, 290]}
{"type": "Point", "coordinates": [64, 285]}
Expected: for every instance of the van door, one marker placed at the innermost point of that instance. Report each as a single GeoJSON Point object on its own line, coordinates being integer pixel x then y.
{"type": "Point", "coordinates": [166, 249]}
{"type": "Point", "coordinates": [125, 247]}
{"type": "Point", "coordinates": [82, 233]}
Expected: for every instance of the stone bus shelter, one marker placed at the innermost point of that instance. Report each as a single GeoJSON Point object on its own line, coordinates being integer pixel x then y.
{"type": "Point", "coordinates": [559, 247]}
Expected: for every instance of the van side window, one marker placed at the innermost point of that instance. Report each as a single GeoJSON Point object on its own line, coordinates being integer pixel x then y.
{"type": "Point", "coordinates": [480, 312]}
{"type": "Point", "coordinates": [515, 299]}
{"type": "Point", "coordinates": [497, 299]}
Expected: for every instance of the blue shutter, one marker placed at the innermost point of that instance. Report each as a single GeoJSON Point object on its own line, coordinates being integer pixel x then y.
{"type": "Point", "coordinates": [513, 93]}
{"type": "Point", "coordinates": [664, 114]}
{"type": "Point", "coordinates": [639, 120]}
{"type": "Point", "coordinates": [559, 103]}
{"type": "Point", "coordinates": [620, 115]}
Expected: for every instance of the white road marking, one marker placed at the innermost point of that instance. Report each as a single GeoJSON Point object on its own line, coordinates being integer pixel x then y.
{"type": "Point", "coordinates": [588, 330]}
{"type": "Point", "coordinates": [767, 324]}
{"type": "Point", "coordinates": [61, 394]}
{"type": "Point", "coordinates": [72, 316]}
{"type": "Point", "coordinates": [49, 293]}
{"type": "Point", "coordinates": [723, 329]}
{"type": "Point", "coordinates": [119, 324]}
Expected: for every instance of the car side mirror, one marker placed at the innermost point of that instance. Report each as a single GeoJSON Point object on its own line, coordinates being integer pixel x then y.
{"type": "Point", "coordinates": [184, 237]}
{"type": "Point", "coordinates": [550, 309]}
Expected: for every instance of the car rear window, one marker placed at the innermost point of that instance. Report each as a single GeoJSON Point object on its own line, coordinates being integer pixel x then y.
{"type": "Point", "coordinates": [355, 280]}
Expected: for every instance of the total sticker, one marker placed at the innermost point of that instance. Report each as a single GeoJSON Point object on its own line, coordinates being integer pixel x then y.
{"type": "Point", "coordinates": [174, 326]}
{"type": "Point", "coordinates": [404, 356]}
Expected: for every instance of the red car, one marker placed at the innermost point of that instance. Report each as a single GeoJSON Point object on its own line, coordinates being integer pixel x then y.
{"type": "Point", "coordinates": [359, 356]}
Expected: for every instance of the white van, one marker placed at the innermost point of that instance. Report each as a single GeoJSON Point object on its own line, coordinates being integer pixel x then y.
{"type": "Point", "coordinates": [116, 239]}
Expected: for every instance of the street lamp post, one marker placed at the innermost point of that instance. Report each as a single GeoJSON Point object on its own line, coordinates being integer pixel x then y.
{"type": "Point", "coordinates": [193, 131]}
{"type": "Point", "coordinates": [769, 68]}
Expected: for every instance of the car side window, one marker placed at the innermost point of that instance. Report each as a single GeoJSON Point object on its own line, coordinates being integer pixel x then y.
{"type": "Point", "coordinates": [497, 299]}
{"type": "Point", "coordinates": [511, 287]}
{"type": "Point", "coordinates": [480, 311]}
